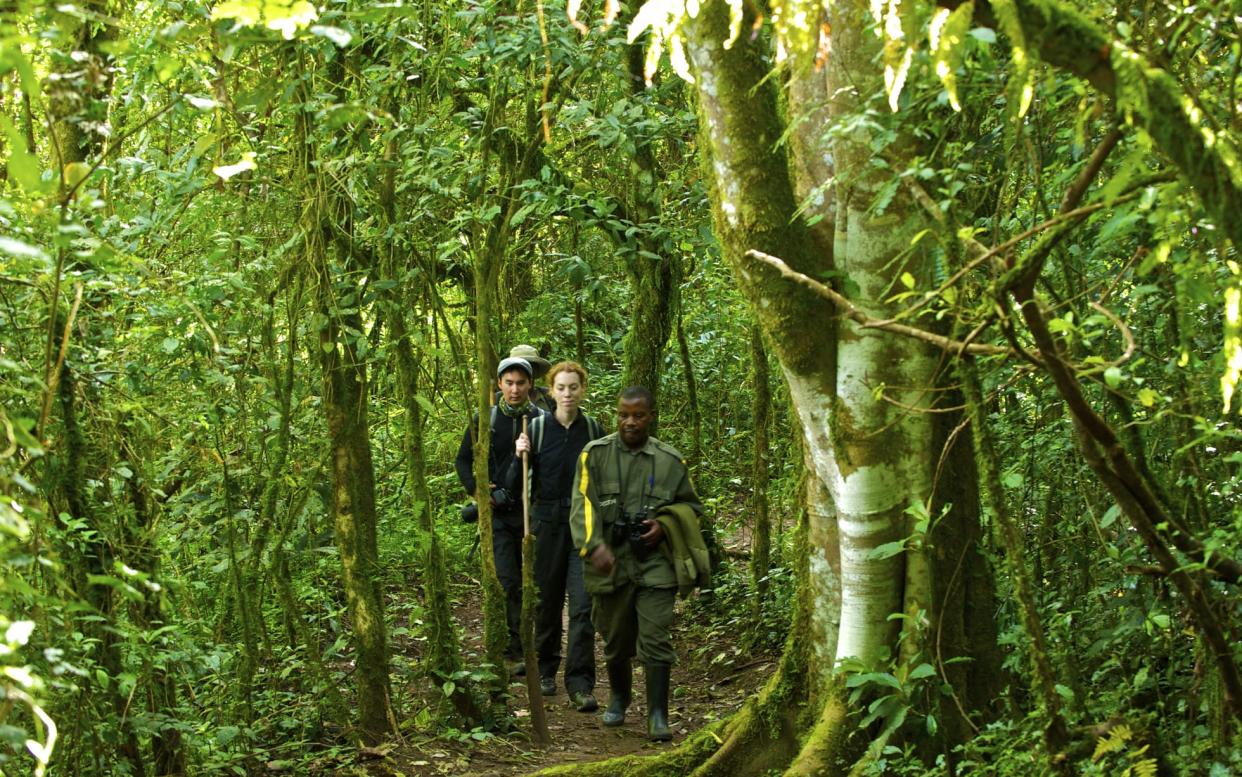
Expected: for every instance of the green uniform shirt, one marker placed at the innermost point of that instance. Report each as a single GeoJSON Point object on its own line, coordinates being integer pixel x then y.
{"type": "Point", "coordinates": [610, 479]}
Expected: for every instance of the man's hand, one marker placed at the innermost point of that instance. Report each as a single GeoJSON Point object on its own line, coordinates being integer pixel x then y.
{"type": "Point", "coordinates": [523, 444]}
{"type": "Point", "coordinates": [653, 535]}
{"type": "Point", "coordinates": [602, 559]}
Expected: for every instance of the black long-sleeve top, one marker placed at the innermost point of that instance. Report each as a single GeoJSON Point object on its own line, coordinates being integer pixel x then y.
{"type": "Point", "coordinates": [552, 466]}
{"type": "Point", "coordinates": [505, 431]}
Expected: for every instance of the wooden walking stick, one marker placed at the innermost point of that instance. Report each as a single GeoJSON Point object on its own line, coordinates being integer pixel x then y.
{"type": "Point", "coordinates": [538, 721]}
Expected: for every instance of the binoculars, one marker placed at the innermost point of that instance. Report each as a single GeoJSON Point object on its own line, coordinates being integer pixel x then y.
{"type": "Point", "coordinates": [630, 530]}
{"type": "Point", "coordinates": [470, 512]}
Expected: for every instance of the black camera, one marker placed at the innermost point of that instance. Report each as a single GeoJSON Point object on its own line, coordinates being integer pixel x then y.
{"type": "Point", "coordinates": [470, 513]}
{"type": "Point", "coordinates": [501, 497]}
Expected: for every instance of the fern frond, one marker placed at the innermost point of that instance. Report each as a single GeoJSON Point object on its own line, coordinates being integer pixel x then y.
{"type": "Point", "coordinates": [1113, 743]}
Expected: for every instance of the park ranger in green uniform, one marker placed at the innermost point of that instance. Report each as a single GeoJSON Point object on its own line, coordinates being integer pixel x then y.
{"type": "Point", "coordinates": [620, 482]}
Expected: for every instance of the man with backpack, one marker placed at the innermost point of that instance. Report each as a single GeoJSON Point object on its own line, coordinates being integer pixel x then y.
{"type": "Point", "coordinates": [514, 377]}
{"type": "Point", "coordinates": [554, 444]}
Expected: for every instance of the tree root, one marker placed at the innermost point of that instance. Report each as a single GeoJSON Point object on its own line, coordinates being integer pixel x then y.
{"type": "Point", "coordinates": [826, 748]}
{"type": "Point", "coordinates": [760, 737]}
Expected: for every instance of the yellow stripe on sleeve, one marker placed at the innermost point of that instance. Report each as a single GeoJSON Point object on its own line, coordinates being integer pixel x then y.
{"type": "Point", "coordinates": [587, 510]}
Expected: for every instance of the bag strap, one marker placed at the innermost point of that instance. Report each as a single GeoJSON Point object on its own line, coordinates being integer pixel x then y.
{"type": "Point", "coordinates": [536, 434]}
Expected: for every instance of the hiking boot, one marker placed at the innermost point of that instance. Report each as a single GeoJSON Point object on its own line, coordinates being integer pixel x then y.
{"type": "Point", "coordinates": [516, 667]}
{"type": "Point", "coordinates": [584, 701]}
{"type": "Point", "coordinates": [547, 685]}
{"type": "Point", "coordinates": [620, 681]}
{"type": "Point", "coordinates": [657, 703]}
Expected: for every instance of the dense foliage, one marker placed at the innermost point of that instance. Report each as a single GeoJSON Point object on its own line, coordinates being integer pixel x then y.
{"type": "Point", "coordinates": [218, 220]}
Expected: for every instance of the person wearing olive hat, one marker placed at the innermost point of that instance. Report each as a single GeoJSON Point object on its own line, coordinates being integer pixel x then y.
{"type": "Point", "coordinates": [539, 367]}
{"type": "Point", "coordinates": [514, 378]}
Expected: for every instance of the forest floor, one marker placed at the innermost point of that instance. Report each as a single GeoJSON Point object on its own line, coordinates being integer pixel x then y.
{"type": "Point", "coordinates": [712, 679]}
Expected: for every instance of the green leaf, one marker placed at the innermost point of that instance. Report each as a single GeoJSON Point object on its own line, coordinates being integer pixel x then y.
{"type": "Point", "coordinates": [984, 34]}
{"type": "Point", "coordinates": [921, 671]}
{"type": "Point", "coordinates": [887, 550]}
{"type": "Point", "coordinates": [23, 166]}
{"type": "Point", "coordinates": [1112, 376]}
{"type": "Point", "coordinates": [424, 403]}
{"type": "Point", "coordinates": [226, 734]}
{"type": "Point", "coordinates": [75, 173]}
{"type": "Point", "coordinates": [1110, 515]}
{"type": "Point", "coordinates": [20, 250]}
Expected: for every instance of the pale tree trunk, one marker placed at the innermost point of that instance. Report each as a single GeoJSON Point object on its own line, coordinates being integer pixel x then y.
{"type": "Point", "coordinates": [858, 394]}
{"type": "Point", "coordinates": [882, 460]}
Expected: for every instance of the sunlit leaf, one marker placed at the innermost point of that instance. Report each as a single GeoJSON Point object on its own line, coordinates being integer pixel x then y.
{"type": "Point", "coordinates": [228, 171]}
{"type": "Point", "coordinates": [947, 36]}
{"type": "Point", "coordinates": [1233, 339]}
{"type": "Point", "coordinates": [335, 34]}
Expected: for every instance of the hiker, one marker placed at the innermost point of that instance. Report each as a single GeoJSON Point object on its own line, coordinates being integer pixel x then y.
{"type": "Point", "coordinates": [553, 446]}
{"type": "Point", "coordinates": [514, 377]}
{"type": "Point", "coordinates": [626, 486]}
{"type": "Point", "coordinates": [539, 366]}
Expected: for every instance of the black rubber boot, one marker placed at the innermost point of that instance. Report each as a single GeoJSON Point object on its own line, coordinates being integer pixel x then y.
{"type": "Point", "coordinates": [657, 703]}
{"type": "Point", "coordinates": [620, 681]}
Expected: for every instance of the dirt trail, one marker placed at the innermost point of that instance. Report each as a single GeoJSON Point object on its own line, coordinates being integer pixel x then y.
{"type": "Point", "coordinates": [701, 692]}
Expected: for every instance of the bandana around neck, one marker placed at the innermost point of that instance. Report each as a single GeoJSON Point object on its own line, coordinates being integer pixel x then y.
{"type": "Point", "coordinates": [515, 412]}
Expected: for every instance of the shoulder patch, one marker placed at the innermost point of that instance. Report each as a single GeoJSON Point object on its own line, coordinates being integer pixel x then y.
{"type": "Point", "coordinates": [598, 442]}
{"type": "Point", "coordinates": [668, 449]}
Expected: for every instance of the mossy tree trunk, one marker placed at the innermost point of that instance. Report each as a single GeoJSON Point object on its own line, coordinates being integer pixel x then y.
{"type": "Point", "coordinates": [168, 752]}
{"type": "Point", "coordinates": [655, 273]}
{"type": "Point", "coordinates": [443, 648]}
{"type": "Point", "coordinates": [495, 629]}
{"type": "Point", "coordinates": [761, 521]}
{"type": "Point", "coordinates": [77, 105]}
{"type": "Point", "coordinates": [513, 158]}
{"type": "Point", "coordinates": [342, 350]}
{"type": "Point", "coordinates": [443, 657]}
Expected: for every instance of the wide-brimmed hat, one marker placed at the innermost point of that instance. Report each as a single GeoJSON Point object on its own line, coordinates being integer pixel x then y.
{"type": "Point", "coordinates": [514, 362]}
{"type": "Point", "coordinates": [539, 364]}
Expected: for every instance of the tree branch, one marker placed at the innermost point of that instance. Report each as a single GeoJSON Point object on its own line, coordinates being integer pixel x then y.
{"type": "Point", "coordinates": [848, 309]}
